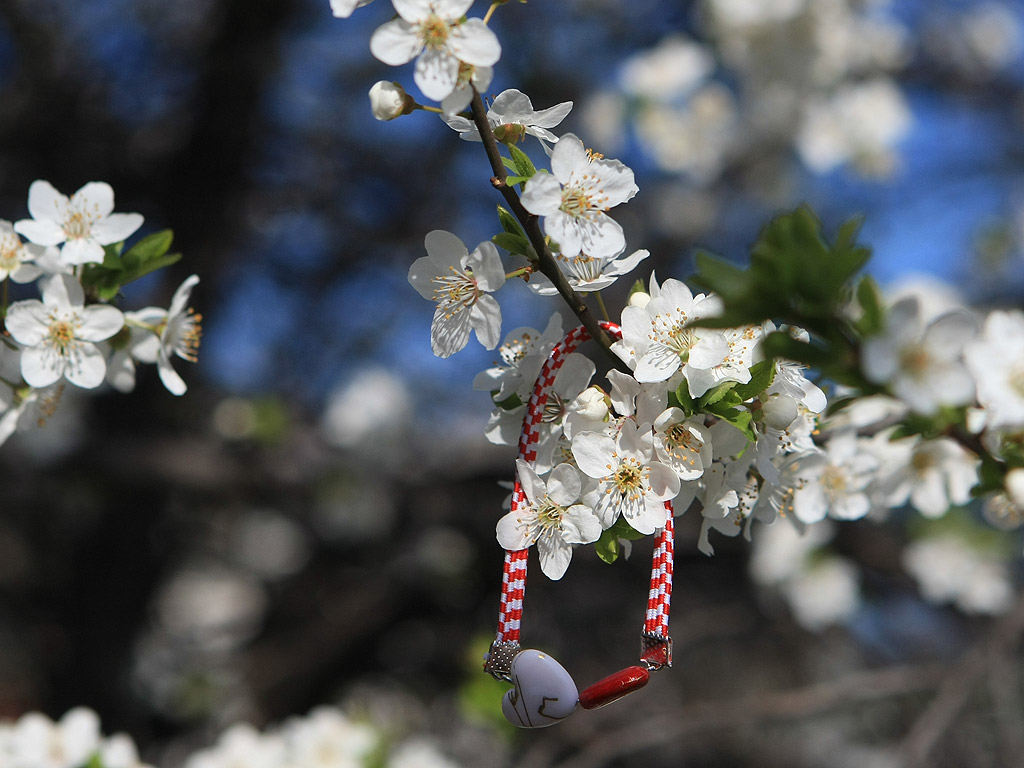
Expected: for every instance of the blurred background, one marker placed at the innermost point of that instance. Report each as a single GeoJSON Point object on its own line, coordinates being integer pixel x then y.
{"type": "Point", "coordinates": [313, 523]}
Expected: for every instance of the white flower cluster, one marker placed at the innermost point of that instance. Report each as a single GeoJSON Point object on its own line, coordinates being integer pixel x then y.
{"type": "Point", "coordinates": [75, 741]}
{"type": "Point", "coordinates": [814, 75]}
{"type": "Point", "coordinates": [705, 413]}
{"type": "Point", "coordinates": [325, 738]}
{"type": "Point", "coordinates": [71, 333]}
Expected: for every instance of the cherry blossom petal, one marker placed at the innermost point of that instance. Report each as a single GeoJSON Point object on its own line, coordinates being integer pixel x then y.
{"type": "Point", "coordinates": [87, 367]}
{"type": "Point", "coordinates": [568, 157]}
{"type": "Point", "coordinates": [116, 227]}
{"type": "Point", "coordinates": [563, 229]}
{"type": "Point", "coordinates": [436, 73]}
{"type": "Point", "coordinates": [41, 231]}
{"type": "Point", "coordinates": [600, 235]}
{"type": "Point", "coordinates": [512, 534]}
{"type": "Point", "coordinates": [564, 485]}
{"type": "Point", "coordinates": [81, 251]}
{"type": "Point", "coordinates": [555, 553]}
{"type": "Point", "coordinates": [397, 42]}
{"type": "Point", "coordinates": [647, 518]}
{"type": "Point", "coordinates": [45, 203]}
{"type": "Point", "coordinates": [663, 480]}
{"type": "Point", "coordinates": [99, 322]}
{"type": "Point", "coordinates": [474, 43]}
{"type": "Point", "coordinates": [657, 364]}
{"type": "Point", "coordinates": [580, 525]}
{"type": "Point", "coordinates": [593, 453]}
{"type": "Point", "coordinates": [95, 199]}
{"type": "Point", "coordinates": [543, 194]}
{"type": "Point", "coordinates": [449, 332]}
{"type": "Point", "coordinates": [530, 482]}
{"type": "Point", "coordinates": [445, 249]}
{"type": "Point", "coordinates": [40, 367]}
{"type": "Point", "coordinates": [485, 319]}
{"type": "Point", "coordinates": [168, 376]}
{"type": "Point", "coordinates": [488, 270]}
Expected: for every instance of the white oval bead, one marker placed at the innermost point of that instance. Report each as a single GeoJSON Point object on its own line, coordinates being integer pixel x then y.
{"type": "Point", "coordinates": [543, 691]}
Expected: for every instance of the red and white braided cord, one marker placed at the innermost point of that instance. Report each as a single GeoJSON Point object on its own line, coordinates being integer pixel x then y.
{"type": "Point", "coordinates": [513, 587]}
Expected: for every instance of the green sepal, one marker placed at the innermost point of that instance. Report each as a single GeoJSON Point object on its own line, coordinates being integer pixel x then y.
{"type": "Point", "coordinates": [95, 761]}
{"type": "Point", "coordinates": [608, 547]}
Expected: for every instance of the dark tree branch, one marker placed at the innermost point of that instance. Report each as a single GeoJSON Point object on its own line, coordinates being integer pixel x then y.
{"type": "Point", "coordinates": [546, 263]}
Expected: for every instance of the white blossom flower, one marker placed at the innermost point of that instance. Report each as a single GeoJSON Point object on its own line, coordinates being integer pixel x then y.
{"type": "Point", "coordinates": [389, 100]}
{"type": "Point", "coordinates": [997, 362]}
{"type": "Point", "coordinates": [938, 474]}
{"type": "Point", "coordinates": [554, 519]}
{"type": "Point", "coordinates": [241, 746]}
{"type": "Point", "coordinates": [469, 78]}
{"type": "Point", "coordinates": [682, 444]}
{"type": "Point", "coordinates": [586, 273]}
{"type": "Point", "coordinates": [327, 738]}
{"type": "Point", "coordinates": [60, 334]}
{"type": "Point", "coordinates": [573, 199]}
{"type": "Point", "coordinates": [834, 482]}
{"type": "Point", "coordinates": [35, 741]}
{"type": "Point", "coordinates": [657, 340]}
{"type": "Point", "coordinates": [522, 354]}
{"type": "Point", "coordinates": [175, 331]}
{"type": "Point", "coordinates": [16, 257]}
{"type": "Point", "coordinates": [949, 570]}
{"type": "Point", "coordinates": [433, 31]}
{"type": "Point", "coordinates": [823, 593]}
{"type": "Point", "coordinates": [459, 282]}
{"type": "Point", "coordinates": [630, 481]}
{"type": "Point", "coordinates": [511, 117]}
{"type": "Point", "coordinates": [82, 225]}
{"type": "Point", "coordinates": [922, 364]}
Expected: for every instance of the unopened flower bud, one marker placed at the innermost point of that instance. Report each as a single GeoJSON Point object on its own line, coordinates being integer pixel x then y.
{"type": "Point", "coordinates": [510, 133]}
{"type": "Point", "coordinates": [779, 411]}
{"type": "Point", "coordinates": [639, 299]}
{"type": "Point", "coordinates": [1014, 484]}
{"type": "Point", "coordinates": [389, 100]}
{"type": "Point", "coordinates": [592, 402]}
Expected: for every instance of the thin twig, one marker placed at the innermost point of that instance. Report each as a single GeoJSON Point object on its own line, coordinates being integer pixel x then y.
{"type": "Point", "coordinates": [696, 719]}
{"type": "Point", "coordinates": [530, 223]}
{"type": "Point", "coordinates": [962, 680]}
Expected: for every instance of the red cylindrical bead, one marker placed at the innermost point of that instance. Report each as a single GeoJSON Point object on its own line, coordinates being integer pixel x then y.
{"type": "Point", "coordinates": [613, 687]}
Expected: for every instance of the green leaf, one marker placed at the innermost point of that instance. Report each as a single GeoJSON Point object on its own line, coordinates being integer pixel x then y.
{"type": "Point", "coordinates": [521, 163]}
{"type": "Point", "coordinates": [716, 393]}
{"type": "Point", "coordinates": [517, 244]}
{"type": "Point", "coordinates": [683, 398]}
{"type": "Point", "coordinates": [608, 547]}
{"type": "Point", "coordinates": [762, 375]}
{"type": "Point", "coordinates": [738, 417]}
{"type": "Point", "coordinates": [149, 248]}
{"type": "Point", "coordinates": [872, 319]}
{"type": "Point", "coordinates": [513, 180]}
{"type": "Point", "coordinates": [509, 223]}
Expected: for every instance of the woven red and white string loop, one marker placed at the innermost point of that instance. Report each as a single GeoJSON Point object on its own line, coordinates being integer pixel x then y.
{"type": "Point", "coordinates": [656, 644]}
